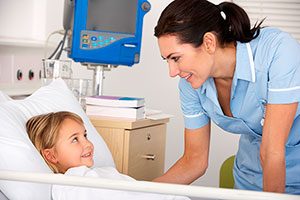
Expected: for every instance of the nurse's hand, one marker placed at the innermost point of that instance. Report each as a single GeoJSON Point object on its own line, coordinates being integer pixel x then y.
{"type": "Point", "coordinates": [278, 122]}
{"type": "Point", "coordinates": [194, 161]}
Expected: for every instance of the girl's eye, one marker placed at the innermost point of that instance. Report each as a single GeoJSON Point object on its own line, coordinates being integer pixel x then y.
{"type": "Point", "coordinates": [75, 140]}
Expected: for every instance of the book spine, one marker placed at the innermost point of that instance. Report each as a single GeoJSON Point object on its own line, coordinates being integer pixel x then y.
{"type": "Point", "coordinates": [134, 113]}
{"type": "Point", "coordinates": [114, 103]}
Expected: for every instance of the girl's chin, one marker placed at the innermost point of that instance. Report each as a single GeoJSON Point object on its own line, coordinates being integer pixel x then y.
{"type": "Point", "coordinates": [89, 163]}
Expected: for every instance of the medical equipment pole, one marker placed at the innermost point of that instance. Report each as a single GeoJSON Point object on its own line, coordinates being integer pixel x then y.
{"type": "Point", "coordinates": [99, 77]}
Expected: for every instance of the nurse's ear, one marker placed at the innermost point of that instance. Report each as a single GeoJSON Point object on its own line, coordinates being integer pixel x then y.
{"type": "Point", "coordinates": [210, 42]}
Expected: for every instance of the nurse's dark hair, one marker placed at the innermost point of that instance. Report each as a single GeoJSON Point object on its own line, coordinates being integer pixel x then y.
{"type": "Point", "coordinates": [191, 19]}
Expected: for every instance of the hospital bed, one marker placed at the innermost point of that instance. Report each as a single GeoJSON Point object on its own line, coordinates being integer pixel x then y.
{"type": "Point", "coordinates": [23, 172]}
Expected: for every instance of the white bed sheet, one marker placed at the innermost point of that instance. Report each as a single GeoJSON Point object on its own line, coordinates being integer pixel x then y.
{"type": "Point", "coordinates": [60, 192]}
{"type": "Point", "coordinates": [2, 196]}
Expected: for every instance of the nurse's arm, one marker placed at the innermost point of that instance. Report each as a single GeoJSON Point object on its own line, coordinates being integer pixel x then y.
{"type": "Point", "coordinates": [278, 122]}
{"type": "Point", "coordinates": [194, 161]}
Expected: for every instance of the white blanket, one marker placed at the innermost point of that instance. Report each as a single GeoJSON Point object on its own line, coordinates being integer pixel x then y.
{"type": "Point", "coordinates": [60, 192]}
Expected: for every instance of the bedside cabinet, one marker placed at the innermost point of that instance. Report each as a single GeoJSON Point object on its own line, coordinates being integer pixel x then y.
{"type": "Point", "coordinates": [138, 147]}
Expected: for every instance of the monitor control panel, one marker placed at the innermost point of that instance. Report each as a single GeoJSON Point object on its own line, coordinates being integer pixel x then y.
{"type": "Point", "coordinates": [96, 39]}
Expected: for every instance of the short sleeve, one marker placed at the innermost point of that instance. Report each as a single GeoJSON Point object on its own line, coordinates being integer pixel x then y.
{"type": "Point", "coordinates": [284, 71]}
{"type": "Point", "coordinates": [193, 113]}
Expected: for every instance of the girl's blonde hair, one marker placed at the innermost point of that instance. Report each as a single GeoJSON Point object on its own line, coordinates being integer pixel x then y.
{"type": "Point", "coordinates": [43, 130]}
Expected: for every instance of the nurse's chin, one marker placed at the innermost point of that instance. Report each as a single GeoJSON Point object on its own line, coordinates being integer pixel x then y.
{"type": "Point", "coordinates": [195, 84]}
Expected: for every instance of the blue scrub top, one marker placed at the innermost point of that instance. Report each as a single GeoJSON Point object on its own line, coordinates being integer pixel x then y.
{"type": "Point", "coordinates": [272, 78]}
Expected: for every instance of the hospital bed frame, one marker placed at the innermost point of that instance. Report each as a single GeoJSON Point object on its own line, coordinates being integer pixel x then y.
{"type": "Point", "coordinates": [144, 186]}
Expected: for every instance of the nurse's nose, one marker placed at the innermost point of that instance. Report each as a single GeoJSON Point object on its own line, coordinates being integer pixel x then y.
{"type": "Point", "coordinates": [173, 70]}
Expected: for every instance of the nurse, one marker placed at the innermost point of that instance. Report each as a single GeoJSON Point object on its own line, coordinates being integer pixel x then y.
{"type": "Point", "coordinates": [246, 80]}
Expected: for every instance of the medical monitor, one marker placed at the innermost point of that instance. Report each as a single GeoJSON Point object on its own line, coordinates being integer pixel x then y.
{"type": "Point", "coordinates": [108, 19]}
{"type": "Point", "coordinates": [108, 31]}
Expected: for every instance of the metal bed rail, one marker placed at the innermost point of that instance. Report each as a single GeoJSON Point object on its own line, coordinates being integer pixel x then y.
{"type": "Point", "coordinates": [144, 186]}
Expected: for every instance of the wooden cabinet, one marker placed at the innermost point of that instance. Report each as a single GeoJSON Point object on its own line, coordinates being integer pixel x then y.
{"type": "Point", "coordinates": [138, 147]}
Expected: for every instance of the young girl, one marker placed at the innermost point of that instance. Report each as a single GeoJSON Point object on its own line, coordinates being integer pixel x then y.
{"type": "Point", "coordinates": [61, 139]}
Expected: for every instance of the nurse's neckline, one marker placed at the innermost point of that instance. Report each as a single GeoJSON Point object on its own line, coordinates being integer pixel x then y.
{"type": "Point", "coordinates": [223, 90]}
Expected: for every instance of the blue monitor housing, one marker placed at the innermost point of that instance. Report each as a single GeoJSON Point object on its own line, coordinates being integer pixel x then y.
{"type": "Point", "coordinates": [108, 31]}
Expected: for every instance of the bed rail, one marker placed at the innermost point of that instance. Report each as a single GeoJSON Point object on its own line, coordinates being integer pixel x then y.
{"type": "Point", "coordinates": [144, 186]}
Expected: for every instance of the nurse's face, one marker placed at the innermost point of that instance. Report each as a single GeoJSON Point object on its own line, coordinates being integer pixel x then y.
{"type": "Point", "coordinates": [186, 61]}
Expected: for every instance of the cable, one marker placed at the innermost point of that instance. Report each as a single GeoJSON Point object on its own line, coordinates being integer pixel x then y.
{"type": "Point", "coordinates": [61, 32]}
{"type": "Point", "coordinates": [58, 46]}
{"type": "Point", "coordinates": [62, 46]}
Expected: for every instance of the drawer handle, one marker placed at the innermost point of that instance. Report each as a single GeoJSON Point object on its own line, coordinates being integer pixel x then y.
{"type": "Point", "coordinates": [148, 136]}
{"type": "Point", "coordinates": [149, 156]}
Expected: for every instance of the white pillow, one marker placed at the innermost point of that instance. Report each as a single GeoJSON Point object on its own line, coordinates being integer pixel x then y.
{"type": "Point", "coordinates": [17, 153]}
{"type": "Point", "coordinates": [4, 97]}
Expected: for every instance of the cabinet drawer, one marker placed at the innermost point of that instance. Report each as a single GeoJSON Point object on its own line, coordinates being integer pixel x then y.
{"type": "Point", "coordinates": [114, 139]}
{"type": "Point", "coordinates": [145, 152]}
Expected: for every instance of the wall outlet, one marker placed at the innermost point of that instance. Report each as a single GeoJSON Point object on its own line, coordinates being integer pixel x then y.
{"type": "Point", "coordinates": [20, 69]}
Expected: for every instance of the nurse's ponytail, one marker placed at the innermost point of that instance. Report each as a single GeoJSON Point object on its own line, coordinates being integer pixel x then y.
{"type": "Point", "coordinates": [191, 19]}
{"type": "Point", "coordinates": [237, 24]}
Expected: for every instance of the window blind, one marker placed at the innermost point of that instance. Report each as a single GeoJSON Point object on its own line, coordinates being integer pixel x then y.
{"type": "Point", "coordinates": [284, 14]}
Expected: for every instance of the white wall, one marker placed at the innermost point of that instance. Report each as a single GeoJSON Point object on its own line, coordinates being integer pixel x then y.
{"type": "Point", "coordinates": [24, 11]}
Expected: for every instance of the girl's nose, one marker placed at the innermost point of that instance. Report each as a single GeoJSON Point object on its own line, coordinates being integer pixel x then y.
{"type": "Point", "coordinates": [88, 144]}
{"type": "Point", "coordinates": [173, 70]}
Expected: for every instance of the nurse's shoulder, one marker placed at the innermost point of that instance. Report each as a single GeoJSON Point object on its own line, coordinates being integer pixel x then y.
{"type": "Point", "coordinates": [273, 43]}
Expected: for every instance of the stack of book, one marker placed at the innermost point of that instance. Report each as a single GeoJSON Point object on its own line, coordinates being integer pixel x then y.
{"type": "Point", "coordinates": [113, 106]}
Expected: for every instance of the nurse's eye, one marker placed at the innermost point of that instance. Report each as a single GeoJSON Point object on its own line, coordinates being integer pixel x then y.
{"type": "Point", "coordinates": [175, 59]}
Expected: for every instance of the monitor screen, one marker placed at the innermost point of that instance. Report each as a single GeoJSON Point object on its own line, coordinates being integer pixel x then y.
{"type": "Point", "coordinates": [112, 16]}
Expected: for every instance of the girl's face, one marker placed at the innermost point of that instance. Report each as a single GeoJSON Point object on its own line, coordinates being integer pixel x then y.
{"type": "Point", "coordinates": [72, 148]}
{"type": "Point", "coordinates": [186, 61]}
